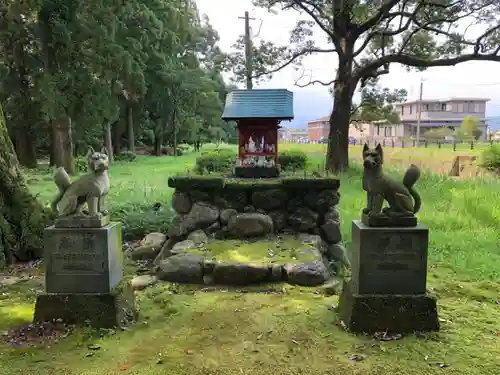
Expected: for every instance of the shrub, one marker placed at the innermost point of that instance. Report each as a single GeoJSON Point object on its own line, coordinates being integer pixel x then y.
{"type": "Point", "coordinates": [140, 219]}
{"type": "Point", "coordinates": [81, 164]}
{"type": "Point", "coordinates": [126, 156]}
{"type": "Point", "coordinates": [292, 160]}
{"type": "Point", "coordinates": [215, 161]}
{"type": "Point", "coordinates": [169, 151]}
{"type": "Point", "coordinates": [490, 158]}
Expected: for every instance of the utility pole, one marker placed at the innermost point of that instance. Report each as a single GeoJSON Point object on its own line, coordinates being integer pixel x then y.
{"type": "Point", "coordinates": [419, 110]}
{"type": "Point", "coordinates": [248, 50]}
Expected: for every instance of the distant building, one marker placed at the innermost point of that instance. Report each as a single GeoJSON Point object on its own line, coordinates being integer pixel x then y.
{"type": "Point", "coordinates": [438, 113]}
{"type": "Point", "coordinates": [292, 134]}
{"type": "Point", "coordinates": [434, 113]}
{"type": "Point", "coordinates": [320, 128]}
{"type": "Point", "coordinates": [316, 129]}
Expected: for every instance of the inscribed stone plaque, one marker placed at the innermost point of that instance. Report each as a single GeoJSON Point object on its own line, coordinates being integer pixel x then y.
{"type": "Point", "coordinates": [83, 260]}
{"type": "Point", "coordinates": [389, 260]}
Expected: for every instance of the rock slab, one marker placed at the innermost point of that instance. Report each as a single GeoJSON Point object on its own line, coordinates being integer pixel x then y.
{"type": "Point", "coordinates": [198, 237]}
{"type": "Point", "coordinates": [201, 216]}
{"type": "Point", "coordinates": [149, 247]}
{"type": "Point", "coordinates": [240, 274]}
{"type": "Point", "coordinates": [181, 203]}
{"type": "Point", "coordinates": [143, 281]}
{"type": "Point", "coordinates": [181, 268]}
{"type": "Point", "coordinates": [306, 274]}
{"type": "Point", "coordinates": [179, 247]}
{"type": "Point", "coordinates": [251, 224]}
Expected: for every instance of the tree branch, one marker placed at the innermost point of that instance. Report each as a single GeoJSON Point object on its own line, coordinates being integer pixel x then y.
{"type": "Point", "coordinates": [418, 62]}
{"type": "Point", "coordinates": [354, 110]}
{"type": "Point", "coordinates": [311, 81]}
{"type": "Point", "coordinates": [382, 13]}
{"type": "Point", "coordinates": [411, 17]}
{"type": "Point", "coordinates": [371, 69]}
{"type": "Point", "coordinates": [295, 56]}
{"type": "Point", "coordinates": [328, 30]}
{"type": "Point", "coordinates": [383, 34]}
{"type": "Point", "coordinates": [314, 82]}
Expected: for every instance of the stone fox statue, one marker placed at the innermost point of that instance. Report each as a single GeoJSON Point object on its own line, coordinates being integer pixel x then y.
{"type": "Point", "coordinates": [402, 198]}
{"type": "Point", "coordinates": [90, 188]}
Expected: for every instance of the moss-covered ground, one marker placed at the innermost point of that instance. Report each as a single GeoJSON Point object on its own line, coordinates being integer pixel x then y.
{"type": "Point", "coordinates": [284, 249]}
{"type": "Point", "coordinates": [284, 329]}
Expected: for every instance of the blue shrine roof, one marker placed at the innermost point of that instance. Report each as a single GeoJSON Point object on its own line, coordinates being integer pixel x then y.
{"type": "Point", "coordinates": [259, 103]}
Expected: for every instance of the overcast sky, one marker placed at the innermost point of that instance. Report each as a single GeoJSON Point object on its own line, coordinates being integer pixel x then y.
{"type": "Point", "coordinates": [473, 79]}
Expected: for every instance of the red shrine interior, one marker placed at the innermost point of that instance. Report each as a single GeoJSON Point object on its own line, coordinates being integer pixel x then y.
{"type": "Point", "coordinates": [259, 130]}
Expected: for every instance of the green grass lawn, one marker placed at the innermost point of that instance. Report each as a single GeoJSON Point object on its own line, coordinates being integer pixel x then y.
{"type": "Point", "coordinates": [185, 330]}
{"type": "Point", "coordinates": [432, 158]}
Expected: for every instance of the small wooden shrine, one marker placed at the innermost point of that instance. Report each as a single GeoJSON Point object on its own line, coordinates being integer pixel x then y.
{"type": "Point", "coordinates": [258, 114]}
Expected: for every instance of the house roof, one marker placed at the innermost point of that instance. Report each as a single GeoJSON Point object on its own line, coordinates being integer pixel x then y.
{"type": "Point", "coordinates": [446, 100]}
{"type": "Point", "coordinates": [326, 118]}
{"type": "Point", "coordinates": [259, 103]}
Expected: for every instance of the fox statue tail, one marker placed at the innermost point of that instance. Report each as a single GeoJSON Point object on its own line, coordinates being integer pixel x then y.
{"type": "Point", "coordinates": [62, 180]}
{"type": "Point", "coordinates": [411, 176]}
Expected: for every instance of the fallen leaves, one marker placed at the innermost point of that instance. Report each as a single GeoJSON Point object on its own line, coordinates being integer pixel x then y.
{"type": "Point", "coordinates": [356, 357]}
{"type": "Point", "coordinates": [439, 364]}
{"type": "Point", "coordinates": [384, 336]}
{"type": "Point", "coordinates": [30, 335]}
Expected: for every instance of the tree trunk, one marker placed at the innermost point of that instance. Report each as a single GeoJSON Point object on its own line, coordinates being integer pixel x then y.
{"type": "Point", "coordinates": [25, 148]}
{"type": "Point", "coordinates": [108, 142]}
{"type": "Point", "coordinates": [117, 132]}
{"type": "Point", "coordinates": [25, 142]}
{"type": "Point", "coordinates": [130, 128]}
{"type": "Point", "coordinates": [337, 157]}
{"type": "Point", "coordinates": [174, 123]}
{"type": "Point", "coordinates": [158, 137]}
{"type": "Point", "coordinates": [52, 155]}
{"type": "Point", "coordinates": [63, 145]}
{"type": "Point", "coordinates": [22, 218]}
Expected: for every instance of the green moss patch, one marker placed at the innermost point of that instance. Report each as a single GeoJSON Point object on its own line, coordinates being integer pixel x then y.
{"type": "Point", "coordinates": [187, 183]}
{"type": "Point", "coordinates": [273, 250]}
{"type": "Point", "coordinates": [310, 182]}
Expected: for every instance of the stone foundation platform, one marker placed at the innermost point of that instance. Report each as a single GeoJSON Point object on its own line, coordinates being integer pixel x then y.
{"type": "Point", "coordinates": [107, 310]}
{"type": "Point", "coordinates": [299, 260]}
{"type": "Point", "coordinates": [388, 313]}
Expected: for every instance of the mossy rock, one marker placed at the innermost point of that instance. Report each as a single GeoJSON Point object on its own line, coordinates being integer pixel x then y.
{"type": "Point", "coordinates": [252, 184]}
{"type": "Point", "coordinates": [311, 183]}
{"type": "Point", "coordinates": [187, 183]}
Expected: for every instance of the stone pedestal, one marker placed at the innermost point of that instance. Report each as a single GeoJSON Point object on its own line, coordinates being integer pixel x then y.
{"type": "Point", "coordinates": [83, 277]}
{"type": "Point", "coordinates": [98, 310]}
{"type": "Point", "coordinates": [387, 291]}
{"type": "Point", "coordinates": [370, 313]}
